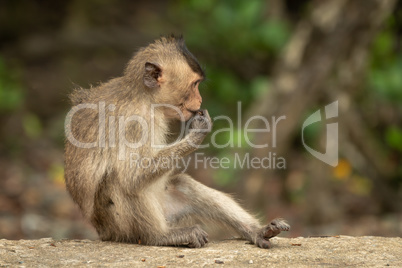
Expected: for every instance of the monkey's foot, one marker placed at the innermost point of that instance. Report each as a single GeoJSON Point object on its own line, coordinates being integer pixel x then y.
{"type": "Point", "coordinates": [198, 237]}
{"type": "Point", "coordinates": [272, 229]}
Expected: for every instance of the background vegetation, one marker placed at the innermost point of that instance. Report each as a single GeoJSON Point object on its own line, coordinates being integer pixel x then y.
{"type": "Point", "coordinates": [277, 57]}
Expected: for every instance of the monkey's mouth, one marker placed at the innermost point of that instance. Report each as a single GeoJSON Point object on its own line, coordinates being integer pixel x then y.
{"type": "Point", "coordinates": [199, 112]}
{"type": "Point", "coordinates": [194, 112]}
{"type": "Point", "coordinates": [187, 113]}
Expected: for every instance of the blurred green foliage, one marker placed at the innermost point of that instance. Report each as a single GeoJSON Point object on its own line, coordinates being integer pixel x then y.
{"type": "Point", "coordinates": [240, 39]}
{"type": "Point", "coordinates": [385, 77]}
{"type": "Point", "coordinates": [393, 137]}
{"type": "Point", "coordinates": [12, 98]}
{"type": "Point", "coordinates": [11, 93]}
{"type": "Point", "coordinates": [232, 35]}
{"type": "Point", "coordinates": [32, 125]}
{"type": "Point", "coordinates": [230, 32]}
{"type": "Point", "coordinates": [245, 25]}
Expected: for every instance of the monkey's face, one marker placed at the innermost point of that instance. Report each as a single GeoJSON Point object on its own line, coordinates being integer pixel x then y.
{"type": "Point", "coordinates": [176, 89]}
{"type": "Point", "coordinates": [189, 101]}
{"type": "Point", "coordinates": [185, 97]}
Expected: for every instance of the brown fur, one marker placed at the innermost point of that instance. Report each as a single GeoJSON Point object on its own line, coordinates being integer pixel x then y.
{"type": "Point", "coordinates": [151, 205]}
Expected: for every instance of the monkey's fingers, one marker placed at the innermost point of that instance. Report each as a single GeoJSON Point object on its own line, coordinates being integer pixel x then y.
{"type": "Point", "coordinates": [203, 113]}
{"type": "Point", "coordinates": [202, 121]}
{"type": "Point", "coordinates": [206, 114]}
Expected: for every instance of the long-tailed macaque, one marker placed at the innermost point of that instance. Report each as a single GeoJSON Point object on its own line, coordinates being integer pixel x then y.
{"type": "Point", "coordinates": [148, 204]}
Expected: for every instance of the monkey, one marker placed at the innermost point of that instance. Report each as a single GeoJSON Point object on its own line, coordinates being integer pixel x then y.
{"type": "Point", "coordinates": [149, 204]}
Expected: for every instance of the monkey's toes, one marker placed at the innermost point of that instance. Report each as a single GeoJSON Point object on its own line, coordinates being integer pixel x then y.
{"type": "Point", "coordinates": [280, 224]}
{"type": "Point", "coordinates": [199, 238]}
{"type": "Point", "coordinates": [263, 243]}
{"type": "Point", "coordinates": [274, 228]}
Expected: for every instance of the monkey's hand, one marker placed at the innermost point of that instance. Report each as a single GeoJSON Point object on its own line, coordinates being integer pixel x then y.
{"type": "Point", "coordinates": [270, 230]}
{"type": "Point", "coordinates": [201, 122]}
{"type": "Point", "coordinates": [200, 126]}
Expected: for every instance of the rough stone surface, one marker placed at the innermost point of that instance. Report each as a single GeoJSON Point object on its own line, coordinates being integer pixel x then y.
{"type": "Point", "coordinates": [342, 251]}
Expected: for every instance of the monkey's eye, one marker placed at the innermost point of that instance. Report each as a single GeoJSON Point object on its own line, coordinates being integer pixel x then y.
{"type": "Point", "coordinates": [196, 83]}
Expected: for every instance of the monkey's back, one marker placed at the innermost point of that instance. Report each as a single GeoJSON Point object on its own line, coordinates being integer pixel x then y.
{"type": "Point", "coordinates": [104, 187]}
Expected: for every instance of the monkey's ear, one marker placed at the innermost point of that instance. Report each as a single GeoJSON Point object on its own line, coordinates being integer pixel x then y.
{"type": "Point", "coordinates": [153, 72]}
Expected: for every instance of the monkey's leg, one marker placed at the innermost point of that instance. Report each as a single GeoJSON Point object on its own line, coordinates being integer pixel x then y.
{"type": "Point", "coordinates": [206, 204]}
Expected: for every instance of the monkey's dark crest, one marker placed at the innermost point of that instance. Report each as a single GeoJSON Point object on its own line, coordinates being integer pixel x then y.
{"type": "Point", "coordinates": [107, 140]}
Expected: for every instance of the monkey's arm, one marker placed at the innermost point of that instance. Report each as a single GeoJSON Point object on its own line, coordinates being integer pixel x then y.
{"type": "Point", "coordinates": [200, 126]}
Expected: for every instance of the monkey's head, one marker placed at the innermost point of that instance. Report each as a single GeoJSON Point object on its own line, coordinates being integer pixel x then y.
{"type": "Point", "coordinates": [171, 74]}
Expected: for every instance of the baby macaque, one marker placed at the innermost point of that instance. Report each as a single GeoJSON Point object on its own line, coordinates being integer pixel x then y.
{"type": "Point", "coordinates": [153, 205]}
